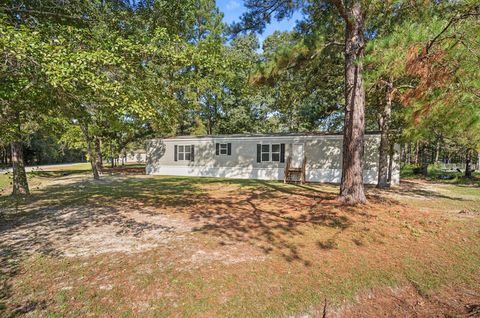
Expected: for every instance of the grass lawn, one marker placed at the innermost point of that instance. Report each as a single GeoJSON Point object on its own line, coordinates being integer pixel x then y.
{"type": "Point", "coordinates": [144, 246]}
{"type": "Point", "coordinates": [39, 175]}
{"type": "Point", "coordinates": [4, 181]}
{"type": "Point", "coordinates": [435, 173]}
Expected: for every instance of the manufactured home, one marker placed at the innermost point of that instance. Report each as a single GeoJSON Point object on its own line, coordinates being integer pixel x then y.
{"type": "Point", "coordinates": [288, 157]}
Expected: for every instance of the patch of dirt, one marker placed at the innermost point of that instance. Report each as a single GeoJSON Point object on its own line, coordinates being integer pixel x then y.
{"type": "Point", "coordinates": [83, 230]}
{"type": "Point", "coordinates": [404, 302]}
{"type": "Point", "coordinates": [407, 302]}
{"type": "Point", "coordinates": [125, 226]}
{"type": "Point", "coordinates": [136, 234]}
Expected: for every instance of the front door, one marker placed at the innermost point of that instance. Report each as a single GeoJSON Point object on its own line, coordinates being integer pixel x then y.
{"type": "Point", "coordinates": [297, 155]}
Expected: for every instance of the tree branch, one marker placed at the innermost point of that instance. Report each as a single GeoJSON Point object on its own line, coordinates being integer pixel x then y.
{"type": "Point", "coordinates": [450, 23]}
{"type": "Point", "coordinates": [342, 11]}
{"type": "Point", "coordinates": [266, 13]}
{"type": "Point", "coordinates": [60, 15]}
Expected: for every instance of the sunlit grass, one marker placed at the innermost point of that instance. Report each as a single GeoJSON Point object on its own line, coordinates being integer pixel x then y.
{"type": "Point", "coordinates": [4, 180]}
{"type": "Point", "coordinates": [38, 174]}
{"type": "Point", "coordinates": [435, 173]}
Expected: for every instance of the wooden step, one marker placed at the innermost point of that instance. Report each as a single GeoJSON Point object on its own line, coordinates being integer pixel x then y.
{"type": "Point", "coordinates": [295, 170]}
{"type": "Point", "coordinates": [294, 174]}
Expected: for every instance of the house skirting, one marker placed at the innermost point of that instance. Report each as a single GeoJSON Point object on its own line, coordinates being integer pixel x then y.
{"type": "Point", "coordinates": [312, 175]}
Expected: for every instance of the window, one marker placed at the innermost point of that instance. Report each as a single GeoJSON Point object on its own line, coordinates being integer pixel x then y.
{"type": "Point", "coordinates": [271, 152]}
{"type": "Point", "coordinates": [276, 152]}
{"type": "Point", "coordinates": [184, 153]}
{"type": "Point", "coordinates": [265, 152]}
{"type": "Point", "coordinates": [223, 149]}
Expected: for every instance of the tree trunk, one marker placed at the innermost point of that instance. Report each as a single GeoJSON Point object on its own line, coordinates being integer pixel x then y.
{"type": "Point", "coordinates": [123, 153]}
{"type": "Point", "coordinates": [416, 153]}
{"type": "Point", "coordinates": [384, 124]}
{"type": "Point", "coordinates": [4, 156]}
{"type": "Point", "coordinates": [91, 154]}
{"type": "Point", "coordinates": [409, 159]}
{"type": "Point", "coordinates": [9, 155]}
{"type": "Point", "coordinates": [19, 182]}
{"type": "Point", "coordinates": [391, 154]}
{"type": "Point", "coordinates": [468, 164]}
{"type": "Point", "coordinates": [402, 152]}
{"type": "Point", "coordinates": [423, 159]}
{"type": "Point", "coordinates": [478, 161]}
{"type": "Point", "coordinates": [351, 188]}
{"type": "Point", "coordinates": [98, 154]}
{"type": "Point", "coordinates": [111, 156]}
{"type": "Point", "coordinates": [437, 150]}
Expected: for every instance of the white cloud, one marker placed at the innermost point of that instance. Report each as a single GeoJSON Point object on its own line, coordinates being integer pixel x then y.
{"type": "Point", "coordinates": [232, 5]}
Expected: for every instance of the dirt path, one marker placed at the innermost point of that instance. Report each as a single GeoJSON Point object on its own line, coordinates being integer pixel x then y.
{"type": "Point", "coordinates": [58, 166]}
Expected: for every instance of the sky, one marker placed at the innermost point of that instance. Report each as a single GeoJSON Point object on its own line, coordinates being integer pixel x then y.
{"type": "Point", "coordinates": [233, 9]}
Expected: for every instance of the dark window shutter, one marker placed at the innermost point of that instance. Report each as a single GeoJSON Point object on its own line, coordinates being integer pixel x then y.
{"type": "Point", "coordinates": [282, 152]}
{"type": "Point", "coordinates": [192, 153]}
{"type": "Point", "coordinates": [175, 153]}
{"type": "Point", "coordinates": [259, 153]}
{"type": "Point", "coordinates": [217, 148]}
{"type": "Point", "coordinates": [229, 149]}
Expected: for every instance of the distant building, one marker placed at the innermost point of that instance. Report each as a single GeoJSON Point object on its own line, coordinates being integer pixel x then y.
{"type": "Point", "coordinates": [136, 156]}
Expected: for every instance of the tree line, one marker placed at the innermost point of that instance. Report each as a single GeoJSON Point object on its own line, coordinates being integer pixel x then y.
{"type": "Point", "coordinates": [99, 75]}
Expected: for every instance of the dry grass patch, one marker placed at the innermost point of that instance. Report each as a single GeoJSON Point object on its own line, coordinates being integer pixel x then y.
{"type": "Point", "coordinates": [165, 246]}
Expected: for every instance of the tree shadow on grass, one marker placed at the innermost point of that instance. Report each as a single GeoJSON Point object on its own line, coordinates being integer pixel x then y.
{"type": "Point", "coordinates": [8, 270]}
{"type": "Point", "coordinates": [272, 217]}
{"type": "Point", "coordinates": [54, 215]}
{"type": "Point", "coordinates": [416, 190]}
{"type": "Point", "coordinates": [267, 215]}
{"type": "Point", "coordinates": [47, 230]}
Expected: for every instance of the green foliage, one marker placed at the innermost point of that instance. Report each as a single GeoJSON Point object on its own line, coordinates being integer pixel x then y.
{"type": "Point", "coordinates": [303, 77]}
{"type": "Point", "coordinates": [162, 68]}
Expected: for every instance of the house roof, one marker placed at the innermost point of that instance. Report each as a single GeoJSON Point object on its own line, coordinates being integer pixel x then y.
{"type": "Point", "coordinates": [309, 134]}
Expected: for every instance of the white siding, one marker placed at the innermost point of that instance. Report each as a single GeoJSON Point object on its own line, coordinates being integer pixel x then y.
{"type": "Point", "coordinates": [323, 153]}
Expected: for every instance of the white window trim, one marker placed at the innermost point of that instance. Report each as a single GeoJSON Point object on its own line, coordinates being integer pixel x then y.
{"type": "Point", "coordinates": [276, 152]}
{"type": "Point", "coordinates": [184, 152]}
{"type": "Point", "coordinates": [265, 152]}
{"type": "Point", "coordinates": [271, 152]}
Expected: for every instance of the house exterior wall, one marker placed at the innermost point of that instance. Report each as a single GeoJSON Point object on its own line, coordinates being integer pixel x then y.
{"type": "Point", "coordinates": [323, 153]}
